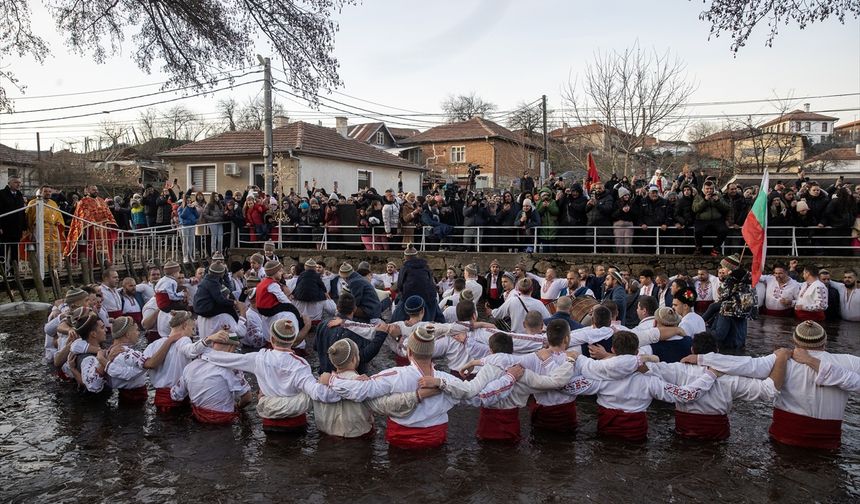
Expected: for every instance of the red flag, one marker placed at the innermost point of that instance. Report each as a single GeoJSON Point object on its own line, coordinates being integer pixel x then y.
{"type": "Point", "coordinates": [593, 176]}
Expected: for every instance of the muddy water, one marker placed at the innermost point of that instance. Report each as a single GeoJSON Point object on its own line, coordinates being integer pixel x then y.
{"type": "Point", "coordinates": [56, 447]}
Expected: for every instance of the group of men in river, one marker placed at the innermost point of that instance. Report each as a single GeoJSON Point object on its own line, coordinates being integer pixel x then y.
{"type": "Point", "coordinates": [193, 340]}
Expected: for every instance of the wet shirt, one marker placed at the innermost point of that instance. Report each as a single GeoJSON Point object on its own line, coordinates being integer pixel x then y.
{"type": "Point", "coordinates": [126, 370]}
{"type": "Point", "coordinates": [774, 292]}
{"type": "Point", "coordinates": [210, 387]}
{"type": "Point", "coordinates": [812, 296]}
{"type": "Point", "coordinates": [181, 353]}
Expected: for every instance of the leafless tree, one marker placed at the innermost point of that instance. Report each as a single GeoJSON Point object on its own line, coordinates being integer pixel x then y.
{"type": "Point", "coordinates": [700, 130]}
{"type": "Point", "coordinates": [148, 125]}
{"type": "Point", "coordinates": [228, 109]}
{"type": "Point", "coordinates": [633, 94]}
{"type": "Point", "coordinates": [738, 18]}
{"type": "Point", "coordinates": [181, 123]}
{"type": "Point", "coordinates": [464, 107]}
{"type": "Point", "coordinates": [112, 132]}
{"type": "Point", "coordinates": [252, 114]}
{"type": "Point", "coordinates": [526, 117]}
{"type": "Point", "coordinates": [192, 41]}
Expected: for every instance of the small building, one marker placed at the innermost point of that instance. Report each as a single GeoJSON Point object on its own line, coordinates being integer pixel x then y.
{"type": "Point", "coordinates": [304, 152]}
{"type": "Point", "coordinates": [816, 128]}
{"type": "Point", "coordinates": [126, 164]}
{"type": "Point", "coordinates": [594, 137]}
{"type": "Point", "coordinates": [848, 133]}
{"type": "Point", "coordinates": [24, 164]}
{"type": "Point", "coordinates": [753, 149]}
{"type": "Point", "coordinates": [381, 136]}
{"type": "Point", "coordinates": [502, 156]}
{"type": "Point", "coordinates": [840, 161]}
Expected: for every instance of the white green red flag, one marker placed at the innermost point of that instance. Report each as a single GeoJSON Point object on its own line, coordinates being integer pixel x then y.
{"type": "Point", "coordinates": [755, 229]}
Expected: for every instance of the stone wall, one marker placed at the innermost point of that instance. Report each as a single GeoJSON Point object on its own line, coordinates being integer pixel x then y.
{"type": "Point", "coordinates": [537, 263]}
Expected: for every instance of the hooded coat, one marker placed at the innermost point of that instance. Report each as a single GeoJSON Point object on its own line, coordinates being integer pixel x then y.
{"type": "Point", "coordinates": [309, 287]}
{"type": "Point", "coordinates": [416, 279]}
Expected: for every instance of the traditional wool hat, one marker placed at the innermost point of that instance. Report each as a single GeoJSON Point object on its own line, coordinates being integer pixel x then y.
{"type": "Point", "coordinates": [251, 280]}
{"type": "Point", "coordinates": [217, 268]}
{"type": "Point", "coordinates": [564, 303]}
{"type": "Point", "coordinates": [283, 330]}
{"type": "Point", "coordinates": [345, 269]}
{"type": "Point", "coordinates": [510, 276]}
{"type": "Point", "coordinates": [83, 320]}
{"type": "Point", "coordinates": [801, 206]}
{"type": "Point", "coordinates": [217, 256]}
{"type": "Point", "coordinates": [272, 267]}
{"type": "Point", "coordinates": [422, 341]}
{"type": "Point", "coordinates": [495, 261]}
{"type": "Point", "coordinates": [668, 317]}
{"type": "Point", "coordinates": [179, 317]}
{"type": "Point", "coordinates": [617, 276]}
{"type": "Point", "coordinates": [467, 295]}
{"type": "Point", "coordinates": [341, 351]}
{"type": "Point", "coordinates": [171, 266]}
{"type": "Point", "coordinates": [258, 258]}
{"type": "Point", "coordinates": [74, 295]}
{"type": "Point", "coordinates": [524, 285]}
{"type": "Point", "coordinates": [224, 338]}
{"type": "Point", "coordinates": [310, 264]}
{"type": "Point", "coordinates": [731, 262]}
{"type": "Point", "coordinates": [391, 263]}
{"type": "Point", "coordinates": [269, 246]}
{"type": "Point", "coordinates": [410, 250]}
{"type": "Point", "coordinates": [363, 265]}
{"type": "Point", "coordinates": [810, 334]}
{"type": "Point", "coordinates": [413, 304]}
{"type": "Point", "coordinates": [252, 293]}
{"type": "Point", "coordinates": [471, 269]}
{"type": "Point", "coordinates": [120, 326]}
{"type": "Point", "coordinates": [623, 191]}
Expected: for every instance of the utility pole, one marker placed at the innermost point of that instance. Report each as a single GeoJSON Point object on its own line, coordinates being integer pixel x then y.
{"type": "Point", "coordinates": [268, 151]}
{"type": "Point", "coordinates": [545, 169]}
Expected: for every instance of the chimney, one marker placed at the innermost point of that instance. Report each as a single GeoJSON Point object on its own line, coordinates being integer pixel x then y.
{"type": "Point", "coordinates": [279, 121]}
{"type": "Point", "coordinates": [341, 126]}
{"type": "Point", "coordinates": [806, 107]}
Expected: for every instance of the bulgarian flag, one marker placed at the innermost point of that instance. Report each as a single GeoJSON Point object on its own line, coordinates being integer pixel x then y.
{"type": "Point", "coordinates": [755, 229]}
{"type": "Point", "coordinates": [593, 176]}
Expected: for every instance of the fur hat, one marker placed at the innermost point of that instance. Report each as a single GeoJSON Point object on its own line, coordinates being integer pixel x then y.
{"type": "Point", "coordinates": [413, 304]}
{"type": "Point", "coordinates": [224, 338]}
{"type": "Point", "coordinates": [731, 262]}
{"type": "Point", "coordinates": [667, 317]}
{"type": "Point", "coordinates": [341, 351]}
{"type": "Point", "coordinates": [809, 334]}
{"type": "Point", "coordinates": [272, 267]}
{"type": "Point", "coordinates": [217, 268]}
{"type": "Point", "coordinates": [283, 330]}
{"type": "Point", "coordinates": [120, 326]}
{"type": "Point", "coordinates": [179, 317]}
{"type": "Point", "coordinates": [422, 341]}
{"type": "Point", "coordinates": [345, 269]}
{"type": "Point", "coordinates": [74, 295]}
{"type": "Point", "coordinates": [410, 250]}
{"type": "Point", "coordinates": [310, 264]}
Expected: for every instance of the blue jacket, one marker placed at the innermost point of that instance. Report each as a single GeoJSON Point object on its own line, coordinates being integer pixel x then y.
{"type": "Point", "coordinates": [188, 216]}
{"type": "Point", "coordinates": [618, 295]}
{"type": "Point", "coordinates": [367, 349]}
{"type": "Point", "coordinates": [209, 301]}
{"type": "Point", "coordinates": [566, 317]}
{"type": "Point", "coordinates": [365, 297]}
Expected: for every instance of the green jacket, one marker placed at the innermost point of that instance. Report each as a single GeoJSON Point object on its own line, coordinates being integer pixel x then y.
{"type": "Point", "coordinates": [710, 209]}
{"type": "Point", "coordinates": [548, 220]}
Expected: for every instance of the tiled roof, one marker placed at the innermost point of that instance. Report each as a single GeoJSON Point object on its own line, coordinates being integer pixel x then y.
{"type": "Point", "coordinates": [401, 133]}
{"type": "Point", "coordinates": [839, 154]}
{"type": "Point", "coordinates": [299, 137]}
{"type": "Point", "coordinates": [799, 115]}
{"type": "Point", "coordinates": [364, 132]}
{"type": "Point", "coordinates": [476, 128]}
{"type": "Point", "coordinates": [848, 126]}
{"type": "Point", "coordinates": [723, 135]}
{"type": "Point", "coordinates": [12, 156]}
{"type": "Point", "coordinates": [586, 129]}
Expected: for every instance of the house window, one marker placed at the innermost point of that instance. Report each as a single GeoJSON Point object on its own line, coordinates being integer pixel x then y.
{"type": "Point", "coordinates": [11, 172]}
{"type": "Point", "coordinates": [806, 126]}
{"type": "Point", "coordinates": [380, 138]}
{"type": "Point", "coordinates": [824, 127]}
{"type": "Point", "coordinates": [203, 178]}
{"type": "Point", "coordinates": [796, 125]}
{"type": "Point", "coordinates": [458, 154]}
{"type": "Point", "coordinates": [531, 160]}
{"type": "Point", "coordinates": [365, 179]}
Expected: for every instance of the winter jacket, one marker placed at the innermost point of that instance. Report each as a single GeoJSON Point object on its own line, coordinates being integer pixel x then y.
{"type": "Point", "coordinates": [309, 287]}
{"type": "Point", "coordinates": [549, 220]}
{"type": "Point", "coordinates": [708, 210]}
{"type": "Point", "coordinates": [366, 298]}
{"type": "Point", "coordinates": [817, 206]}
{"type": "Point", "coordinates": [391, 217]}
{"type": "Point", "coordinates": [188, 215]}
{"type": "Point", "coordinates": [601, 213]}
{"type": "Point", "coordinates": [653, 213]}
{"type": "Point", "coordinates": [577, 211]}
{"type": "Point", "coordinates": [475, 215]}
{"type": "Point", "coordinates": [208, 298]}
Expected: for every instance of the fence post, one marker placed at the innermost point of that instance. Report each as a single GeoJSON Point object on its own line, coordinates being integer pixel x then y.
{"type": "Point", "coordinates": [534, 246]}
{"type": "Point", "coordinates": [40, 239]}
{"type": "Point", "coordinates": [478, 239]}
{"type": "Point", "coordinates": [423, 238]}
{"type": "Point", "coordinates": [594, 239]}
{"type": "Point", "coordinates": [794, 241]}
{"type": "Point", "coordinates": [658, 241]}
{"type": "Point", "coordinates": [373, 238]}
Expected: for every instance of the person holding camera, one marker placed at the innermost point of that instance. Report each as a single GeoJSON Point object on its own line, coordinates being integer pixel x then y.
{"type": "Point", "coordinates": [475, 215]}
{"type": "Point", "coordinates": [710, 210]}
{"type": "Point", "coordinates": [548, 211]}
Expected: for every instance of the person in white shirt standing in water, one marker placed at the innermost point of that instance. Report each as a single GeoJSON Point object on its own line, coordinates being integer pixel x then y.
{"type": "Point", "coordinates": [683, 303]}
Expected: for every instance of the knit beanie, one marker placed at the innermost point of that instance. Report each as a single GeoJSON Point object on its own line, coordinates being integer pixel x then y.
{"type": "Point", "coordinates": [83, 320]}
{"type": "Point", "coordinates": [801, 206]}
{"type": "Point", "coordinates": [218, 256]}
{"type": "Point", "coordinates": [252, 280]}
{"type": "Point", "coordinates": [623, 191]}
{"type": "Point", "coordinates": [224, 338]}
{"type": "Point", "coordinates": [272, 267]}
{"type": "Point", "coordinates": [667, 317]}
{"type": "Point", "coordinates": [410, 250]}
{"type": "Point", "coordinates": [467, 295]}
{"type": "Point", "coordinates": [179, 317]}
{"type": "Point", "coordinates": [363, 265]}
{"type": "Point", "coordinates": [258, 258]}
{"type": "Point", "coordinates": [472, 269]}
{"type": "Point", "coordinates": [283, 330]}
{"type": "Point", "coordinates": [527, 203]}
{"type": "Point", "coordinates": [413, 304]}
{"type": "Point", "coordinates": [120, 326]}
{"type": "Point", "coordinates": [75, 295]}
{"type": "Point", "coordinates": [171, 266]}
{"type": "Point", "coordinates": [731, 262]}
{"type": "Point", "coordinates": [269, 246]}
{"type": "Point", "coordinates": [310, 264]}
{"type": "Point", "coordinates": [217, 268]}
{"type": "Point", "coordinates": [809, 334]}
{"type": "Point", "coordinates": [341, 351]}
{"type": "Point", "coordinates": [345, 269]}
{"type": "Point", "coordinates": [422, 341]}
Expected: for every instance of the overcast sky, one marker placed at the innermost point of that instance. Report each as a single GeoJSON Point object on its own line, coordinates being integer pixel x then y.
{"type": "Point", "coordinates": [410, 55]}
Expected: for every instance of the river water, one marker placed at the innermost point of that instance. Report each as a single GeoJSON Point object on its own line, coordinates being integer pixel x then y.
{"type": "Point", "coordinates": [56, 447]}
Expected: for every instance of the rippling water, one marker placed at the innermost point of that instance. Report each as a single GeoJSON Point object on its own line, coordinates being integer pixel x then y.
{"type": "Point", "coordinates": [56, 447]}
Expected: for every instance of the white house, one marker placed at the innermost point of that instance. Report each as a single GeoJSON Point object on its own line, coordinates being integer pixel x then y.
{"type": "Point", "coordinates": [816, 128]}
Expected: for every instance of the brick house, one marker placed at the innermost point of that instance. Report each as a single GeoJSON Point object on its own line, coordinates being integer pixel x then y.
{"type": "Point", "coordinates": [745, 149]}
{"type": "Point", "coordinates": [503, 156]}
{"type": "Point", "coordinates": [234, 160]}
{"type": "Point", "coordinates": [594, 137]}
{"type": "Point", "coordinates": [816, 128]}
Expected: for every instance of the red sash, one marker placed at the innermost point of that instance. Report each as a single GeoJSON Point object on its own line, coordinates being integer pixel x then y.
{"type": "Point", "coordinates": [115, 314]}
{"type": "Point", "coordinates": [499, 424]}
{"type": "Point", "coordinates": [152, 336]}
{"type": "Point", "coordinates": [494, 293]}
{"type": "Point", "coordinates": [415, 437]}
{"type": "Point", "coordinates": [401, 361]}
{"type": "Point", "coordinates": [699, 426]}
{"type": "Point", "coordinates": [163, 402]}
{"type": "Point", "coordinates": [701, 306]}
{"type": "Point", "coordinates": [211, 416]}
{"type": "Point", "coordinates": [133, 396]}
{"type": "Point", "coordinates": [557, 418]}
{"type": "Point", "coordinates": [798, 430]}
{"type": "Point", "coordinates": [285, 424]}
{"type": "Point", "coordinates": [550, 304]}
{"type": "Point", "coordinates": [136, 316]}
{"type": "Point", "coordinates": [817, 316]}
{"type": "Point", "coordinates": [776, 313]}
{"type": "Point", "coordinates": [62, 375]}
{"type": "Point", "coordinates": [629, 426]}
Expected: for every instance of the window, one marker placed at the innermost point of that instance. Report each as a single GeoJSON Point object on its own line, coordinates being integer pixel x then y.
{"type": "Point", "coordinates": [531, 160]}
{"type": "Point", "coordinates": [458, 154]}
{"type": "Point", "coordinates": [12, 172]}
{"type": "Point", "coordinates": [796, 125]}
{"type": "Point", "coordinates": [258, 169]}
{"type": "Point", "coordinates": [414, 156]}
{"type": "Point", "coordinates": [203, 178]}
{"type": "Point", "coordinates": [365, 179]}
{"type": "Point", "coordinates": [824, 127]}
{"type": "Point", "coordinates": [806, 126]}
{"type": "Point", "coordinates": [380, 138]}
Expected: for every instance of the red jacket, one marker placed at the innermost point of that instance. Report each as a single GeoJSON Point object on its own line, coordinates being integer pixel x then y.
{"type": "Point", "coordinates": [265, 299]}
